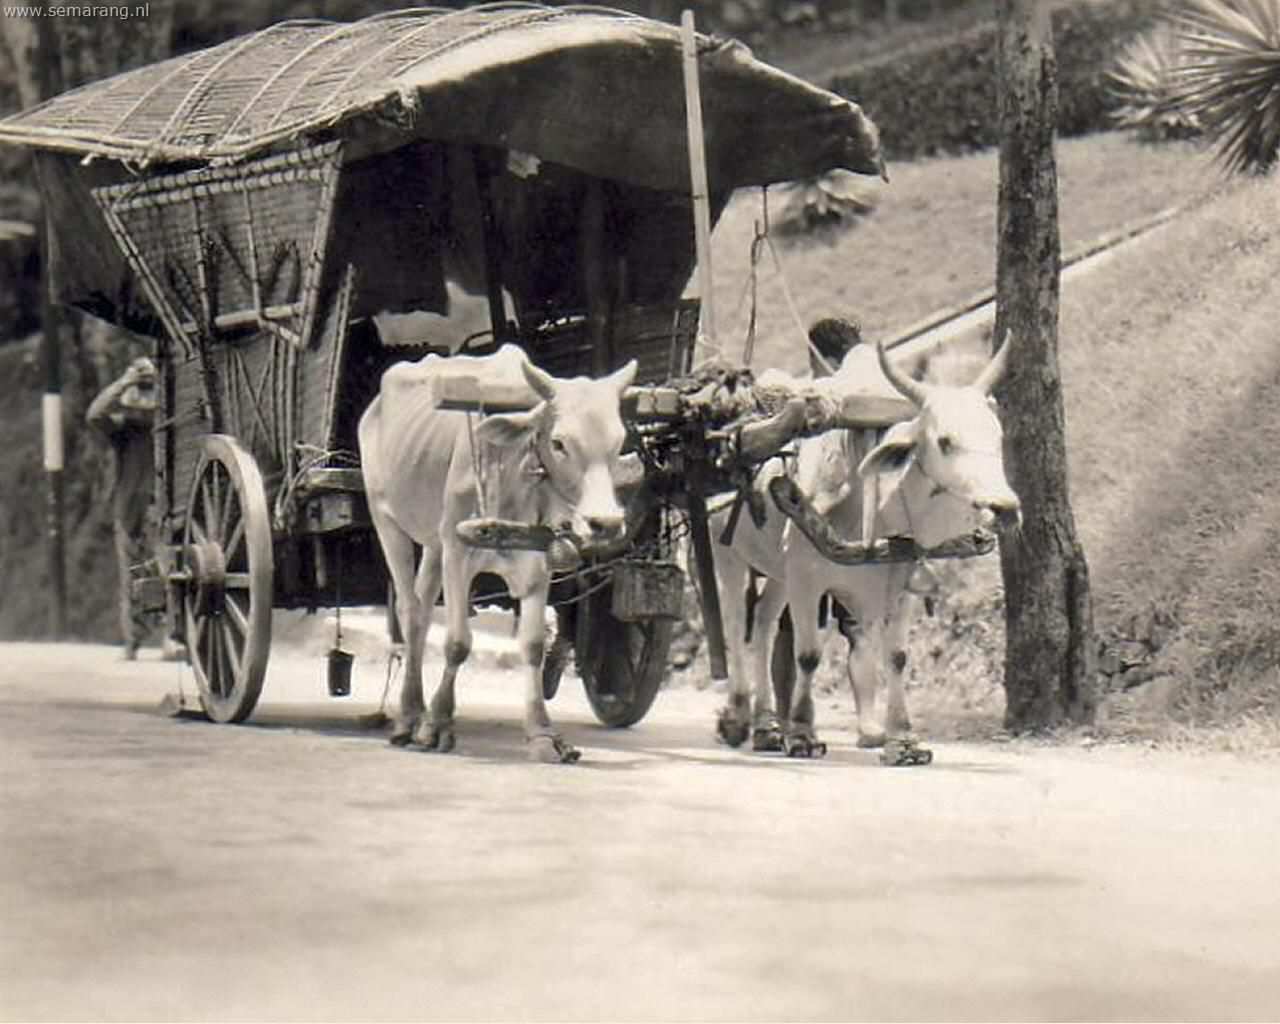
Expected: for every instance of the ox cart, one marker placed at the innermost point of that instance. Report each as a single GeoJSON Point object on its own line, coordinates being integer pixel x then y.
{"type": "Point", "coordinates": [267, 208]}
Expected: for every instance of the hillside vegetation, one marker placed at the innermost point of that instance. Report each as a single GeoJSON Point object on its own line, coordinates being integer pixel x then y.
{"type": "Point", "coordinates": [1172, 377]}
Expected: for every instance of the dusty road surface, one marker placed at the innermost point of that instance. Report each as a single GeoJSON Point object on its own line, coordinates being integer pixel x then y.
{"type": "Point", "coordinates": [299, 868]}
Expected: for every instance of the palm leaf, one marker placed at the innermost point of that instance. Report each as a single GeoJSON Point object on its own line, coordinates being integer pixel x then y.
{"type": "Point", "coordinates": [1143, 78]}
{"type": "Point", "coordinates": [1230, 79]}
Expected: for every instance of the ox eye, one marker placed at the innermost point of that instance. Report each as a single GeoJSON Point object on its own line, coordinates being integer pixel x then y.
{"type": "Point", "coordinates": [946, 445]}
{"type": "Point", "coordinates": [558, 447]}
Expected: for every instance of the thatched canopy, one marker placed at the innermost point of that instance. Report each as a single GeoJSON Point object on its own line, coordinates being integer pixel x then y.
{"type": "Point", "coordinates": [589, 88]}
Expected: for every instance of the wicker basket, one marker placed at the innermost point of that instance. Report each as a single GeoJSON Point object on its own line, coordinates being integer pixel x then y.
{"type": "Point", "coordinates": [647, 590]}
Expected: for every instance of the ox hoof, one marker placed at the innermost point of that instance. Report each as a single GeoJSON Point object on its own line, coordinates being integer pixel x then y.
{"type": "Point", "coordinates": [905, 753]}
{"type": "Point", "coordinates": [401, 735]}
{"type": "Point", "coordinates": [766, 739]}
{"type": "Point", "coordinates": [437, 736]}
{"type": "Point", "coordinates": [870, 740]}
{"type": "Point", "coordinates": [731, 729]}
{"type": "Point", "coordinates": [552, 750]}
{"type": "Point", "coordinates": [801, 745]}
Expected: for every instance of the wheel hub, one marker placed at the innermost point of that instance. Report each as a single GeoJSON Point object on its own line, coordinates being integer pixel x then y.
{"type": "Point", "coordinates": [208, 567]}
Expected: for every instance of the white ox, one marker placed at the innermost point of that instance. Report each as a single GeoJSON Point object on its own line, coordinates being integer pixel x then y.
{"type": "Point", "coordinates": [552, 465]}
{"type": "Point", "coordinates": [941, 474]}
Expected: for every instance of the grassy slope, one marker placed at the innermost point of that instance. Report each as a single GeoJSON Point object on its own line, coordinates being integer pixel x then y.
{"type": "Point", "coordinates": [931, 241]}
{"type": "Point", "coordinates": [1172, 381]}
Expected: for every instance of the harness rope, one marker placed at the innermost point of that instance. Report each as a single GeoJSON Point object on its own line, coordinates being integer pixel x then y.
{"type": "Point", "coordinates": [763, 238]}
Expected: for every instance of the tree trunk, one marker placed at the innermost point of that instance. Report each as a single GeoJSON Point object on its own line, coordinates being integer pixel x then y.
{"type": "Point", "coordinates": [1049, 677]}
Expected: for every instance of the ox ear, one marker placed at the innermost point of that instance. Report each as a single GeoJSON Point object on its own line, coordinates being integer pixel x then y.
{"type": "Point", "coordinates": [621, 379]}
{"type": "Point", "coordinates": [541, 381]}
{"type": "Point", "coordinates": [506, 430]}
{"type": "Point", "coordinates": [891, 453]}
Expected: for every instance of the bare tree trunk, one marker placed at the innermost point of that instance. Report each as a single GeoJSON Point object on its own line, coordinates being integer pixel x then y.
{"type": "Point", "coordinates": [1049, 676]}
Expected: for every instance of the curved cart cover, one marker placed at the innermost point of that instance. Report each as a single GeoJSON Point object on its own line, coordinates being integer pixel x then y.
{"type": "Point", "coordinates": [595, 91]}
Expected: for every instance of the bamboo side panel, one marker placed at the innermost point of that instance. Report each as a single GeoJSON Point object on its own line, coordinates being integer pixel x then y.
{"type": "Point", "coordinates": [320, 381]}
{"type": "Point", "coordinates": [224, 249]}
{"type": "Point", "coordinates": [255, 383]}
{"type": "Point", "coordinates": [181, 436]}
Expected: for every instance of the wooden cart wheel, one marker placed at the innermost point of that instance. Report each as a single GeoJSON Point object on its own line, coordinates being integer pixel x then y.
{"type": "Point", "coordinates": [622, 664]}
{"type": "Point", "coordinates": [227, 601]}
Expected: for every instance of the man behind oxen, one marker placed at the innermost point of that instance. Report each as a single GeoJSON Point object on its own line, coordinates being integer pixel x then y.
{"type": "Point", "coordinates": [830, 340]}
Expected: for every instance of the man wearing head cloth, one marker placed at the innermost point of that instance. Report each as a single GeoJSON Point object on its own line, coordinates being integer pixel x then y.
{"type": "Point", "coordinates": [123, 413]}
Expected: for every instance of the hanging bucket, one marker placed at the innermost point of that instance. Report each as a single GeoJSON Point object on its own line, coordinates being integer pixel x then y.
{"type": "Point", "coordinates": [340, 672]}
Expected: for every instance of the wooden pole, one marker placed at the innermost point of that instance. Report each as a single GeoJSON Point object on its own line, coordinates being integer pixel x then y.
{"type": "Point", "coordinates": [698, 178]}
{"type": "Point", "coordinates": [51, 416]}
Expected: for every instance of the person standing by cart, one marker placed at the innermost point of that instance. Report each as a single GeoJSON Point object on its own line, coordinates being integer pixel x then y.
{"type": "Point", "coordinates": [123, 413]}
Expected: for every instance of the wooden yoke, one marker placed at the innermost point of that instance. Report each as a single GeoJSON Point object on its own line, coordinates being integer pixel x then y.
{"type": "Point", "coordinates": [791, 412]}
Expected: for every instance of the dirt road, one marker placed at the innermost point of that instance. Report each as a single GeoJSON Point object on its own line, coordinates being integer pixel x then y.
{"type": "Point", "coordinates": [298, 867]}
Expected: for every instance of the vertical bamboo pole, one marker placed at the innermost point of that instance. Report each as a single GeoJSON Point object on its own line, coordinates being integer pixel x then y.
{"type": "Point", "coordinates": [698, 178]}
{"type": "Point", "coordinates": [51, 417]}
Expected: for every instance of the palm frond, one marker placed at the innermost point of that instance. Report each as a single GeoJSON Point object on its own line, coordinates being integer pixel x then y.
{"type": "Point", "coordinates": [1143, 79]}
{"type": "Point", "coordinates": [1230, 80]}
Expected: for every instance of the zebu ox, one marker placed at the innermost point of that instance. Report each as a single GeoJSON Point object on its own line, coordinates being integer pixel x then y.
{"type": "Point", "coordinates": [941, 474]}
{"type": "Point", "coordinates": [423, 471]}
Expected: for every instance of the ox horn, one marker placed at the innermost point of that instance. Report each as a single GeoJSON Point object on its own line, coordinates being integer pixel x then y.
{"type": "Point", "coordinates": [910, 389]}
{"type": "Point", "coordinates": [541, 381]}
{"type": "Point", "coordinates": [994, 370]}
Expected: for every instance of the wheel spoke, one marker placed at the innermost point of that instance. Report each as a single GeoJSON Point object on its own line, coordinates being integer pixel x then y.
{"type": "Point", "coordinates": [224, 512]}
{"type": "Point", "coordinates": [208, 504]}
{"type": "Point", "coordinates": [203, 652]}
{"type": "Point", "coordinates": [201, 622]}
{"type": "Point", "coordinates": [197, 532]}
{"type": "Point", "coordinates": [235, 541]}
{"type": "Point", "coordinates": [236, 615]}
{"type": "Point", "coordinates": [234, 661]}
{"type": "Point", "coordinates": [218, 662]}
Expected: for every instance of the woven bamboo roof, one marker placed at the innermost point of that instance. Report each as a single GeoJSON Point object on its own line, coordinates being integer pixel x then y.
{"type": "Point", "coordinates": [416, 69]}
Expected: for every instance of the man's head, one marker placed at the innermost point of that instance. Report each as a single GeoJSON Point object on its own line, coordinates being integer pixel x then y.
{"type": "Point", "coordinates": [140, 378]}
{"type": "Point", "coordinates": [829, 340]}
